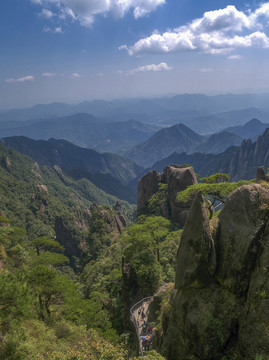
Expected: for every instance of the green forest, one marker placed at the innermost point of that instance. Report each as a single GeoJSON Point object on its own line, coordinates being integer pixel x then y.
{"type": "Point", "coordinates": [62, 294]}
{"type": "Point", "coordinates": [64, 289]}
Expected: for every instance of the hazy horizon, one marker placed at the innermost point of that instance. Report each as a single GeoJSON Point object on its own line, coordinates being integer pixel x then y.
{"type": "Point", "coordinates": [153, 97]}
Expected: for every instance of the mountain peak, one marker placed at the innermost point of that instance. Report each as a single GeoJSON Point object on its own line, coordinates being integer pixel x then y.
{"type": "Point", "coordinates": [253, 122]}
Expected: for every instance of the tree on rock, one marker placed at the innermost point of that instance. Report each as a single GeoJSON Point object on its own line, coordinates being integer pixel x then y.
{"type": "Point", "coordinates": [215, 189]}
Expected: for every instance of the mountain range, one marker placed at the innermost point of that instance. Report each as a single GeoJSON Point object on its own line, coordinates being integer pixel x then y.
{"type": "Point", "coordinates": [179, 138]}
{"type": "Point", "coordinates": [240, 162]}
{"type": "Point", "coordinates": [83, 130]}
{"type": "Point", "coordinates": [204, 114]}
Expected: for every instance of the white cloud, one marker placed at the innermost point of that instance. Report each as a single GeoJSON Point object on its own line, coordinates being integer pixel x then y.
{"type": "Point", "coordinates": [75, 76]}
{"type": "Point", "coordinates": [234, 57]}
{"type": "Point", "coordinates": [47, 13]}
{"type": "Point", "coordinates": [221, 20]}
{"type": "Point", "coordinates": [262, 11]}
{"type": "Point", "coordinates": [56, 30]}
{"type": "Point", "coordinates": [217, 32]}
{"type": "Point", "coordinates": [48, 74]}
{"type": "Point", "coordinates": [148, 68]}
{"type": "Point", "coordinates": [85, 11]}
{"type": "Point", "coordinates": [21, 80]}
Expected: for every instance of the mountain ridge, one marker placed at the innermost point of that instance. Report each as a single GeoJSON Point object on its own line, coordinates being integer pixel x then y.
{"type": "Point", "coordinates": [240, 162]}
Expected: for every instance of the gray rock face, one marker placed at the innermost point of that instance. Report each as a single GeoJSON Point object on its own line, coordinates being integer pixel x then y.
{"type": "Point", "coordinates": [177, 178]}
{"type": "Point", "coordinates": [147, 186]}
{"type": "Point", "coordinates": [220, 305]}
{"type": "Point", "coordinates": [196, 260]}
{"type": "Point", "coordinates": [261, 176]}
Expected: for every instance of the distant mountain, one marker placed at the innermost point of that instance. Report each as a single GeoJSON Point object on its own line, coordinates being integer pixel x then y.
{"type": "Point", "coordinates": [223, 121]}
{"type": "Point", "coordinates": [250, 130]}
{"type": "Point", "coordinates": [217, 143]}
{"type": "Point", "coordinates": [76, 160]}
{"type": "Point", "coordinates": [171, 110]}
{"type": "Point", "coordinates": [177, 138]}
{"type": "Point", "coordinates": [240, 162]}
{"type": "Point", "coordinates": [84, 130]}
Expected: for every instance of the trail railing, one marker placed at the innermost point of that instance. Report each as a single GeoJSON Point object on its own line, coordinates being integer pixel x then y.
{"type": "Point", "coordinates": [134, 320]}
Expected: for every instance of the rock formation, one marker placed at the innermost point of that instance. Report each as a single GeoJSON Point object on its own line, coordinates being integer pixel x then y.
{"type": "Point", "coordinates": [219, 308]}
{"type": "Point", "coordinates": [178, 178]}
{"type": "Point", "coordinates": [261, 176]}
{"type": "Point", "coordinates": [147, 186]}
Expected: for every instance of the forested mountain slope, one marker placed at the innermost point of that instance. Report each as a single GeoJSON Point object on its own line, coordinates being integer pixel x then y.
{"type": "Point", "coordinates": [69, 156]}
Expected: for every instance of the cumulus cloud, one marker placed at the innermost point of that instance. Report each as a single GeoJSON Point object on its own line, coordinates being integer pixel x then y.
{"type": "Point", "coordinates": [21, 80]}
{"type": "Point", "coordinates": [85, 11]}
{"type": "Point", "coordinates": [217, 32]}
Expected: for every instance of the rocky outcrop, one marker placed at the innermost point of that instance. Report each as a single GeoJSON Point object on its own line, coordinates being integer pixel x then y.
{"type": "Point", "coordinates": [147, 186]}
{"type": "Point", "coordinates": [67, 238]}
{"type": "Point", "coordinates": [177, 178]}
{"type": "Point", "coordinates": [219, 308]}
{"type": "Point", "coordinates": [261, 176]}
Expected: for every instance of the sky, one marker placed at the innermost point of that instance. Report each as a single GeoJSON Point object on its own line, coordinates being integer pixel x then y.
{"type": "Point", "coordinates": [77, 50]}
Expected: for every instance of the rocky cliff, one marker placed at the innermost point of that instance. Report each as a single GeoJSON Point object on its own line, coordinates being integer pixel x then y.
{"type": "Point", "coordinates": [177, 178]}
{"type": "Point", "coordinates": [220, 305]}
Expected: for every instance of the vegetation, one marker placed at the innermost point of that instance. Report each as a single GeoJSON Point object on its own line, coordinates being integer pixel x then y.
{"type": "Point", "coordinates": [158, 200]}
{"type": "Point", "coordinates": [72, 301]}
{"type": "Point", "coordinates": [150, 247]}
{"type": "Point", "coordinates": [215, 189]}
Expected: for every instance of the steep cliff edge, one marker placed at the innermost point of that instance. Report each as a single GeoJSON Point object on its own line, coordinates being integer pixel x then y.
{"type": "Point", "coordinates": [220, 305]}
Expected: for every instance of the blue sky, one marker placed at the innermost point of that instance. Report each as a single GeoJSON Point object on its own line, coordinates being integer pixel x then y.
{"type": "Point", "coordinates": [75, 50]}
